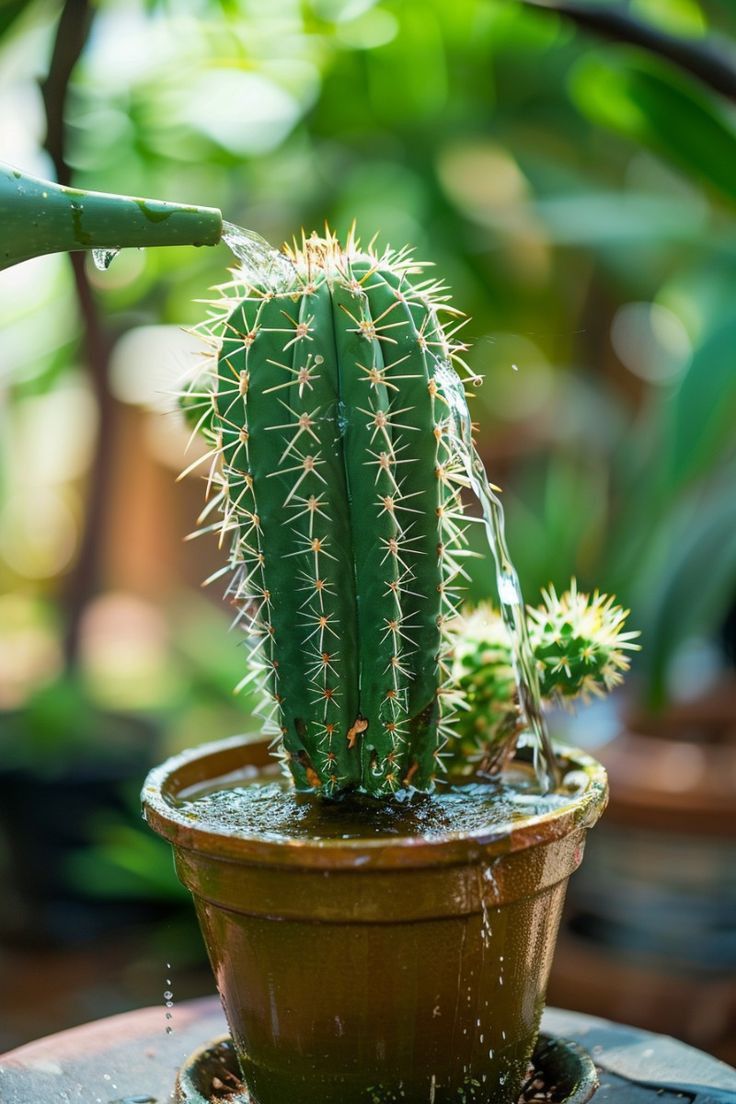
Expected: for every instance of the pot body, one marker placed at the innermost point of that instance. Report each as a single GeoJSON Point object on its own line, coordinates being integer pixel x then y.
{"type": "Point", "coordinates": [364, 972]}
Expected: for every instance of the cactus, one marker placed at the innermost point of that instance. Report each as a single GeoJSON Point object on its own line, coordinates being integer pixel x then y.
{"type": "Point", "coordinates": [580, 650]}
{"type": "Point", "coordinates": [339, 493]}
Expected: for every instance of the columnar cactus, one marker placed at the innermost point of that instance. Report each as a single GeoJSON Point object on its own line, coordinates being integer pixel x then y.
{"type": "Point", "coordinates": [339, 492]}
{"type": "Point", "coordinates": [580, 650]}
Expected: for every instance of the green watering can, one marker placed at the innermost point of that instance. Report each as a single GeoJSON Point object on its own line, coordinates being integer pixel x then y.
{"type": "Point", "coordinates": [38, 217]}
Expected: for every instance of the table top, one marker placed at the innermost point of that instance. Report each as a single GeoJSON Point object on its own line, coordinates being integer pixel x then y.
{"type": "Point", "coordinates": [130, 1059]}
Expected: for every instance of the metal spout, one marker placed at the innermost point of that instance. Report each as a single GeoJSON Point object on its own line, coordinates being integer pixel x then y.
{"type": "Point", "coordinates": [38, 217]}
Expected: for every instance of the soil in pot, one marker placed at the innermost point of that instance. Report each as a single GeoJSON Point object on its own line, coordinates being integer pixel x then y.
{"type": "Point", "coordinates": [266, 805]}
{"type": "Point", "coordinates": [369, 953]}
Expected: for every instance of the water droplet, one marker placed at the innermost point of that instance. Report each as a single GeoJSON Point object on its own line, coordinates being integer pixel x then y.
{"type": "Point", "coordinates": [103, 258]}
{"type": "Point", "coordinates": [168, 994]}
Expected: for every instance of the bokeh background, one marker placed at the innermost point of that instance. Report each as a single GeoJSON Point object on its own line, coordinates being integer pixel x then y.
{"type": "Point", "coordinates": [573, 176]}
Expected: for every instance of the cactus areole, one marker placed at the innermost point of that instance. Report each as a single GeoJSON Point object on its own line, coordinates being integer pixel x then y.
{"type": "Point", "coordinates": [336, 486]}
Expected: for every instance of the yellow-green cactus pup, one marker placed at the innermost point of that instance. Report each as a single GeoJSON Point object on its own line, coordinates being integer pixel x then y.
{"type": "Point", "coordinates": [579, 647]}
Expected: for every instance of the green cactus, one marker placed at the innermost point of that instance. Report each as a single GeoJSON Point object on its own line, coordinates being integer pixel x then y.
{"type": "Point", "coordinates": [580, 649]}
{"type": "Point", "coordinates": [339, 493]}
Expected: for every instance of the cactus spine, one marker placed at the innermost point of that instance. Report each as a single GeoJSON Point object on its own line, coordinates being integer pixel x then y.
{"type": "Point", "coordinates": [338, 490]}
{"type": "Point", "coordinates": [580, 650]}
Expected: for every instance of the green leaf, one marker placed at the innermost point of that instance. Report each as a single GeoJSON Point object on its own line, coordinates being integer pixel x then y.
{"type": "Point", "coordinates": [703, 413]}
{"type": "Point", "coordinates": [691, 590]}
{"type": "Point", "coordinates": [652, 105]}
{"type": "Point", "coordinates": [9, 11]}
{"type": "Point", "coordinates": [679, 17]}
{"type": "Point", "coordinates": [125, 862]}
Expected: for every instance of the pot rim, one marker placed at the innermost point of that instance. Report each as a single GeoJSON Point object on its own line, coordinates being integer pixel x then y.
{"type": "Point", "coordinates": [222, 757]}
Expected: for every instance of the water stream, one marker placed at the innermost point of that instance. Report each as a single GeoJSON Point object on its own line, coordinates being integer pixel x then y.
{"type": "Point", "coordinates": [258, 258]}
{"type": "Point", "coordinates": [510, 596]}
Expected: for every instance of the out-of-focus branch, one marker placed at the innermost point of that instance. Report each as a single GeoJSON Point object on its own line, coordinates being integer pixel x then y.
{"type": "Point", "coordinates": [71, 35]}
{"type": "Point", "coordinates": [701, 58]}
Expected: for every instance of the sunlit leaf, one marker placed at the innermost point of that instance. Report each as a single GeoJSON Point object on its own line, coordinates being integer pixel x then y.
{"type": "Point", "coordinates": [679, 17]}
{"type": "Point", "coordinates": [653, 105]}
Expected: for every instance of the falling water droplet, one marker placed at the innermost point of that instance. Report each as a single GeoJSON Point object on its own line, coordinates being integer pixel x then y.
{"type": "Point", "coordinates": [168, 1002]}
{"type": "Point", "coordinates": [103, 258]}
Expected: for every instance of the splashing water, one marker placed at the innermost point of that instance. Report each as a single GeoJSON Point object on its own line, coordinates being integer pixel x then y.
{"type": "Point", "coordinates": [258, 258]}
{"type": "Point", "coordinates": [507, 580]}
{"type": "Point", "coordinates": [103, 258]}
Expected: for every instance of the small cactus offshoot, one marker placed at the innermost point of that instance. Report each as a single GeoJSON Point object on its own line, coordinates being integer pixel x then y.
{"type": "Point", "coordinates": [580, 650]}
{"type": "Point", "coordinates": [337, 489]}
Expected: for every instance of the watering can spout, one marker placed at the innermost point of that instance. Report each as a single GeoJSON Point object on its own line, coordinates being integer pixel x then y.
{"type": "Point", "coordinates": [38, 217]}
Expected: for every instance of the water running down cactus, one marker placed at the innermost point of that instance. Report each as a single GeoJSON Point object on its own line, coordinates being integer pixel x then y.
{"type": "Point", "coordinates": [331, 407]}
{"type": "Point", "coordinates": [579, 647]}
{"type": "Point", "coordinates": [338, 488]}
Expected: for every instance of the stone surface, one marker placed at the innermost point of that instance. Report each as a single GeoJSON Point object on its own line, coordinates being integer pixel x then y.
{"type": "Point", "coordinates": [130, 1059]}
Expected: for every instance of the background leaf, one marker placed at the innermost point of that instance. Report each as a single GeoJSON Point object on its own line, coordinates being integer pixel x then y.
{"type": "Point", "coordinates": [652, 104]}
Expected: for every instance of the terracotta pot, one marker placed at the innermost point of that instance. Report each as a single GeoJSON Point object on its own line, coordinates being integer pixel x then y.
{"type": "Point", "coordinates": [362, 971]}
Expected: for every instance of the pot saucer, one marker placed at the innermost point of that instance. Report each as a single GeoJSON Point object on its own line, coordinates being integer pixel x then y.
{"type": "Point", "coordinates": [210, 1075]}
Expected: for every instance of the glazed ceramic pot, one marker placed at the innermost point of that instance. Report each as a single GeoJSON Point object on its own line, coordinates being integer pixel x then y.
{"type": "Point", "coordinates": [391, 968]}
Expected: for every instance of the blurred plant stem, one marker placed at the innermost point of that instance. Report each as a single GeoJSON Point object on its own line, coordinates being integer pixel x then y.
{"type": "Point", "coordinates": [702, 59]}
{"type": "Point", "coordinates": [72, 32]}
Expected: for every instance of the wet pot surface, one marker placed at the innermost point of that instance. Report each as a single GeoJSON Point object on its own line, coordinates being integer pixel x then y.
{"type": "Point", "coordinates": [366, 954]}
